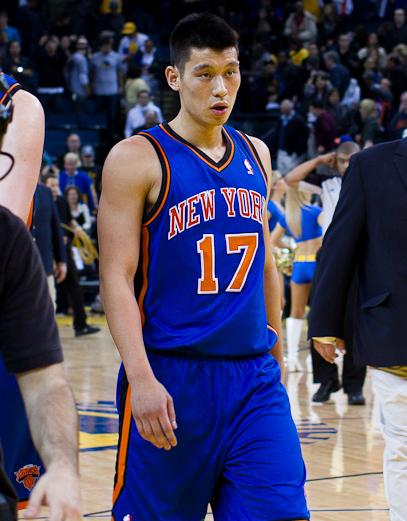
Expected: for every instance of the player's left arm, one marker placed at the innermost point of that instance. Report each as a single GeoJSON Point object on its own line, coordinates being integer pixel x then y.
{"type": "Point", "coordinates": [271, 282]}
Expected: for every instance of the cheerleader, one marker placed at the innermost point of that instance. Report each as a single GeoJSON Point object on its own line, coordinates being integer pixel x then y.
{"type": "Point", "coordinates": [303, 221]}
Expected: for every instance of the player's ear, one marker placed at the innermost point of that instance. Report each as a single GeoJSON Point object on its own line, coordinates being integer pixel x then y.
{"type": "Point", "coordinates": [172, 74]}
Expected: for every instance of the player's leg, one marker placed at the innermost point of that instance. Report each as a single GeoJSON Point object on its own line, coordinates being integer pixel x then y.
{"type": "Point", "coordinates": [264, 473]}
{"type": "Point", "coordinates": [174, 485]}
{"type": "Point", "coordinates": [299, 299]}
{"type": "Point", "coordinates": [392, 393]}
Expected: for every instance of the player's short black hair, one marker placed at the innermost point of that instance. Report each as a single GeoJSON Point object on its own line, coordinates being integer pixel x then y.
{"type": "Point", "coordinates": [199, 30]}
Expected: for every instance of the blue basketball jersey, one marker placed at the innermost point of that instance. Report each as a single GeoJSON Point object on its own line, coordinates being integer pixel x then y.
{"type": "Point", "coordinates": [200, 277]}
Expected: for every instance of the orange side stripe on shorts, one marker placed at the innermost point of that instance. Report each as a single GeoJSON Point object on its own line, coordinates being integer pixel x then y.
{"type": "Point", "coordinates": [124, 444]}
{"type": "Point", "coordinates": [22, 505]}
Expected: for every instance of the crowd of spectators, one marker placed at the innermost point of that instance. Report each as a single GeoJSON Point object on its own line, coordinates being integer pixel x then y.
{"type": "Point", "coordinates": [314, 73]}
{"type": "Point", "coordinates": [108, 57]}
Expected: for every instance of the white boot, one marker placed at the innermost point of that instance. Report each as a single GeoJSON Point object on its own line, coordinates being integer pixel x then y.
{"type": "Point", "coordinates": [308, 363]}
{"type": "Point", "coordinates": [294, 328]}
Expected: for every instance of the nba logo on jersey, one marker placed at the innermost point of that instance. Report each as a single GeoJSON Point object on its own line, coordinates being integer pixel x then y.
{"type": "Point", "coordinates": [248, 167]}
{"type": "Point", "coordinates": [127, 518]}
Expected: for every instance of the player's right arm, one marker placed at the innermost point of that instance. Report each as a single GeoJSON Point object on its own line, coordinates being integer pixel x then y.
{"type": "Point", "coordinates": [24, 140]}
{"type": "Point", "coordinates": [300, 172]}
{"type": "Point", "coordinates": [131, 183]}
{"type": "Point", "coordinates": [53, 421]}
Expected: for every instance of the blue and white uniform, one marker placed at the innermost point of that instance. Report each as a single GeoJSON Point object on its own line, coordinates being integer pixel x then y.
{"type": "Point", "coordinates": [200, 291]}
{"type": "Point", "coordinates": [304, 265]}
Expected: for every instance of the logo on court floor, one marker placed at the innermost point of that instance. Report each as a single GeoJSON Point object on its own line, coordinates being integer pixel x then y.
{"type": "Point", "coordinates": [312, 431]}
{"type": "Point", "coordinates": [98, 426]}
{"type": "Point", "coordinates": [28, 475]}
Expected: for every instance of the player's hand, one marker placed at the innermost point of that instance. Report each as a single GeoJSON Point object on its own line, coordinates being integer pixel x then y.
{"type": "Point", "coordinates": [327, 351]}
{"type": "Point", "coordinates": [154, 413]}
{"type": "Point", "coordinates": [328, 159]}
{"type": "Point", "coordinates": [60, 272]}
{"type": "Point", "coordinates": [59, 488]}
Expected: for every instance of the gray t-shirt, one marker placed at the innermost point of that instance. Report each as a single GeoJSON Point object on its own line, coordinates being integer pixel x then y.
{"type": "Point", "coordinates": [77, 73]}
{"type": "Point", "coordinates": [105, 69]}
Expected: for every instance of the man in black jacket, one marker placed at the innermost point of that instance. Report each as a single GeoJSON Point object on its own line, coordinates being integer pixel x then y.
{"type": "Point", "coordinates": [49, 238]}
{"type": "Point", "coordinates": [290, 138]}
{"type": "Point", "coordinates": [71, 281]}
{"type": "Point", "coordinates": [368, 233]}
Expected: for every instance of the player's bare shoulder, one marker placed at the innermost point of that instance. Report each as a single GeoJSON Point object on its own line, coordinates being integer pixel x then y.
{"type": "Point", "coordinates": [132, 164]}
{"type": "Point", "coordinates": [263, 153]}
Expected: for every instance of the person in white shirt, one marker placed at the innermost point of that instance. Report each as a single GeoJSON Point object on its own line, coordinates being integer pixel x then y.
{"type": "Point", "coordinates": [323, 175]}
{"type": "Point", "coordinates": [136, 116]}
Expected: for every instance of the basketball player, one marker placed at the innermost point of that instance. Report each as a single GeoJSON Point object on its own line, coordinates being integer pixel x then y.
{"type": "Point", "coordinates": [32, 352]}
{"type": "Point", "coordinates": [24, 140]}
{"type": "Point", "coordinates": [182, 231]}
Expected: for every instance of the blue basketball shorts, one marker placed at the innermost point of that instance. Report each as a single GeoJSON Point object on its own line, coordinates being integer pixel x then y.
{"type": "Point", "coordinates": [303, 272]}
{"type": "Point", "coordinates": [238, 447]}
{"type": "Point", "coordinates": [21, 460]}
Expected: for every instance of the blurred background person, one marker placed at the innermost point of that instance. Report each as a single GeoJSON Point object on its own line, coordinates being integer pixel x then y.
{"type": "Point", "coordinates": [136, 116]}
{"type": "Point", "coordinates": [71, 282]}
{"type": "Point", "coordinates": [132, 86]}
{"type": "Point", "coordinates": [90, 167]}
{"type": "Point", "coordinates": [106, 77]}
{"type": "Point", "coordinates": [77, 76]}
{"type": "Point", "coordinates": [370, 131]}
{"type": "Point", "coordinates": [19, 67]}
{"type": "Point", "coordinates": [79, 210]}
{"type": "Point", "coordinates": [303, 222]}
{"type": "Point", "coordinates": [72, 175]}
{"type": "Point", "coordinates": [50, 60]}
{"type": "Point", "coordinates": [290, 138]}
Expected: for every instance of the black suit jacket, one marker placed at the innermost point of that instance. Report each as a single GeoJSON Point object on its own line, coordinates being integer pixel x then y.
{"type": "Point", "coordinates": [47, 232]}
{"type": "Point", "coordinates": [369, 230]}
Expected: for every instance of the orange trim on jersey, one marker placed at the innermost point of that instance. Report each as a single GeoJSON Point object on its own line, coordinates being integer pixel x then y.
{"type": "Point", "coordinates": [272, 328]}
{"type": "Point", "coordinates": [232, 150]}
{"type": "Point", "coordinates": [167, 188]}
{"type": "Point", "coordinates": [250, 145]}
{"type": "Point", "coordinates": [145, 241]}
{"type": "Point", "coordinates": [31, 214]}
{"type": "Point", "coordinates": [22, 505]}
{"type": "Point", "coordinates": [124, 444]}
{"type": "Point", "coordinates": [8, 93]}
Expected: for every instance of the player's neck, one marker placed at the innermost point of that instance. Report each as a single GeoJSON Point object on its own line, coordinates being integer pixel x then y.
{"type": "Point", "coordinates": [209, 139]}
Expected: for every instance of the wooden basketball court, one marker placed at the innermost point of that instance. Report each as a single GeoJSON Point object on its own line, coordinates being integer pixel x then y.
{"type": "Point", "coordinates": [341, 444]}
